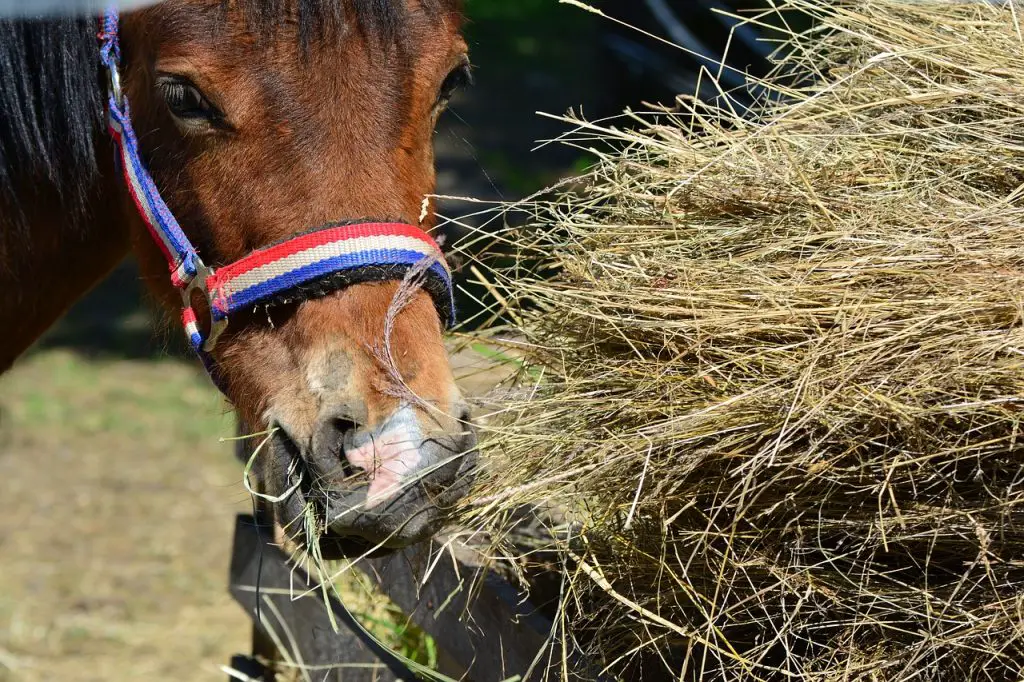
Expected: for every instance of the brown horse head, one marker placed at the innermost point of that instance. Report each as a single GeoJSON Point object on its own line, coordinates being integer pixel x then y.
{"type": "Point", "coordinates": [262, 120]}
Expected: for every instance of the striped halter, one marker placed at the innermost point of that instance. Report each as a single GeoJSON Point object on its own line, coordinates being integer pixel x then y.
{"type": "Point", "coordinates": [311, 264]}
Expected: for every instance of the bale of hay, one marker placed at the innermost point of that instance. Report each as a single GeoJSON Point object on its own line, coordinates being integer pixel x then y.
{"type": "Point", "coordinates": [773, 367]}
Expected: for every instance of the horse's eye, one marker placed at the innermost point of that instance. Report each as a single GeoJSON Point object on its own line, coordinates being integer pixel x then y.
{"type": "Point", "coordinates": [186, 101]}
{"type": "Point", "coordinates": [459, 77]}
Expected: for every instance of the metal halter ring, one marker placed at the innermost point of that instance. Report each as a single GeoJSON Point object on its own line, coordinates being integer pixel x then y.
{"type": "Point", "coordinates": [199, 283]}
{"type": "Point", "coordinates": [115, 85]}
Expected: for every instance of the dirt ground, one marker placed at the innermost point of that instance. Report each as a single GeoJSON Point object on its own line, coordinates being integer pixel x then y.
{"type": "Point", "coordinates": [119, 502]}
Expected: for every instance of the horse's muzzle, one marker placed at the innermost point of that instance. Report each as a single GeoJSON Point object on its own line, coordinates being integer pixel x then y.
{"type": "Point", "coordinates": [384, 488]}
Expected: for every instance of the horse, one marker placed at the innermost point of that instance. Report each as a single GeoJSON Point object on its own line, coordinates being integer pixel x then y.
{"type": "Point", "coordinates": [261, 124]}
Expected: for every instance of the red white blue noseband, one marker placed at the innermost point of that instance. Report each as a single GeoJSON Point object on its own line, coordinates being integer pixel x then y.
{"type": "Point", "coordinates": [310, 264]}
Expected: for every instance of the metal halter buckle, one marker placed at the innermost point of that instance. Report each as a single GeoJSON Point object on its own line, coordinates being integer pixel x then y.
{"type": "Point", "coordinates": [199, 283]}
{"type": "Point", "coordinates": [115, 85]}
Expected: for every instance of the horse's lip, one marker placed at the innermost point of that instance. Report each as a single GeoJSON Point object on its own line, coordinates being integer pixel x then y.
{"type": "Point", "coordinates": [332, 545]}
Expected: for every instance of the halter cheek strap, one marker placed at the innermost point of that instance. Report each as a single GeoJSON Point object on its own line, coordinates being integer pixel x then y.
{"type": "Point", "coordinates": [308, 265]}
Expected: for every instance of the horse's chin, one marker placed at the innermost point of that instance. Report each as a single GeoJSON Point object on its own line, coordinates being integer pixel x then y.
{"type": "Point", "coordinates": [333, 547]}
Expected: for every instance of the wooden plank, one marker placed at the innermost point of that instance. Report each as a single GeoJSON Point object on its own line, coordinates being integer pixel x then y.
{"type": "Point", "coordinates": [266, 586]}
{"type": "Point", "coordinates": [494, 633]}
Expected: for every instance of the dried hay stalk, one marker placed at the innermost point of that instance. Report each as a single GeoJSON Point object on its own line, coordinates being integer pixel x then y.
{"type": "Point", "coordinates": [775, 367]}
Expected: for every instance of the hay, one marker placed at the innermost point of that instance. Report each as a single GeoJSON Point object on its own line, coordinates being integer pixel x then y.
{"type": "Point", "coordinates": [773, 367]}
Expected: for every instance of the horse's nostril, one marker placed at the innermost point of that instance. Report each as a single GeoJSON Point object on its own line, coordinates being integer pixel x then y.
{"type": "Point", "coordinates": [343, 426]}
{"type": "Point", "coordinates": [328, 451]}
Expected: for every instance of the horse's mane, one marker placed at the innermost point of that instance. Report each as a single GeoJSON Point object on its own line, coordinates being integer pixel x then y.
{"type": "Point", "coordinates": [52, 93]}
{"type": "Point", "coordinates": [51, 105]}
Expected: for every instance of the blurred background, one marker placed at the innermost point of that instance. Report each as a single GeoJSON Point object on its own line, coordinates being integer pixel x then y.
{"type": "Point", "coordinates": [543, 56]}
{"type": "Point", "coordinates": [118, 492]}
